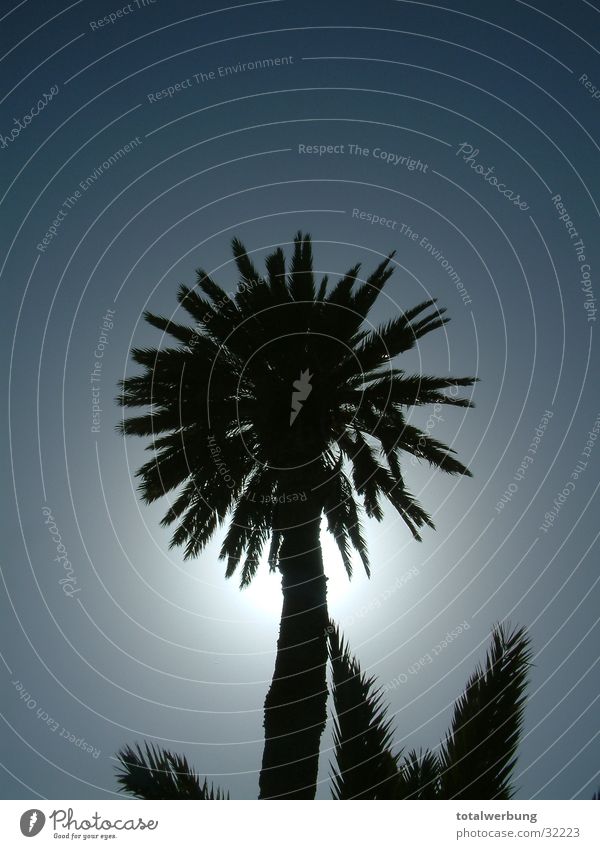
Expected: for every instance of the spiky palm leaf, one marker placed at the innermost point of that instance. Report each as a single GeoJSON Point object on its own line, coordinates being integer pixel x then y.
{"type": "Point", "coordinates": [160, 774]}
{"type": "Point", "coordinates": [366, 768]}
{"type": "Point", "coordinates": [477, 758]}
{"type": "Point", "coordinates": [419, 776]}
{"type": "Point", "coordinates": [478, 755]}
{"type": "Point", "coordinates": [217, 406]}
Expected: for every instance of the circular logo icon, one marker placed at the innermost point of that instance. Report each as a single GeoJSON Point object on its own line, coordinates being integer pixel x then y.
{"type": "Point", "coordinates": [32, 822]}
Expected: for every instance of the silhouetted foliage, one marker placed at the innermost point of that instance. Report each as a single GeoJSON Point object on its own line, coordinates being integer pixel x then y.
{"type": "Point", "coordinates": [278, 406]}
{"type": "Point", "coordinates": [230, 378]}
{"type": "Point", "coordinates": [479, 752]}
{"type": "Point", "coordinates": [361, 730]}
{"type": "Point", "coordinates": [160, 774]}
{"type": "Point", "coordinates": [476, 760]}
{"type": "Point", "coordinates": [419, 776]}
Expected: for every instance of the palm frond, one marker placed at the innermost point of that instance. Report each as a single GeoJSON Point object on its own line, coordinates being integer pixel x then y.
{"type": "Point", "coordinates": [341, 294]}
{"type": "Point", "coordinates": [275, 264]}
{"type": "Point", "coordinates": [250, 526]}
{"type": "Point", "coordinates": [366, 767]}
{"type": "Point", "coordinates": [425, 447]}
{"type": "Point", "coordinates": [246, 268]}
{"type": "Point", "coordinates": [371, 480]}
{"type": "Point", "coordinates": [368, 293]}
{"type": "Point", "coordinates": [479, 753]}
{"type": "Point", "coordinates": [398, 336]}
{"type": "Point", "coordinates": [157, 773]}
{"type": "Point", "coordinates": [343, 519]}
{"type": "Point", "coordinates": [411, 390]}
{"type": "Point", "coordinates": [182, 332]}
{"type": "Point", "coordinates": [419, 776]}
{"type": "Point", "coordinates": [301, 282]}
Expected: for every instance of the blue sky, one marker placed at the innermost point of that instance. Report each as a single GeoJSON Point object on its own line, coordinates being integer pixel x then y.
{"type": "Point", "coordinates": [137, 149]}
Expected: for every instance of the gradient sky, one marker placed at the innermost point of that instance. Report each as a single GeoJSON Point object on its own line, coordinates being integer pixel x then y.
{"type": "Point", "coordinates": [150, 647]}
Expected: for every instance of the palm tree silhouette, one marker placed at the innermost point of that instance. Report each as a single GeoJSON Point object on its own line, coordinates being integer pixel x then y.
{"type": "Point", "coordinates": [278, 407]}
{"type": "Point", "coordinates": [475, 761]}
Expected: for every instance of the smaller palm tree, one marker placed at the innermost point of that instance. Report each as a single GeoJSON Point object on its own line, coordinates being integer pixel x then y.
{"type": "Point", "coordinates": [475, 761]}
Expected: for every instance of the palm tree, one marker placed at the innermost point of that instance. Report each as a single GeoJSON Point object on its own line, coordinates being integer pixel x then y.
{"type": "Point", "coordinates": [278, 407]}
{"type": "Point", "coordinates": [476, 760]}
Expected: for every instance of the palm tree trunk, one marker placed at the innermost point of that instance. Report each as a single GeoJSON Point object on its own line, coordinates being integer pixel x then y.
{"type": "Point", "coordinates": [296, 704]}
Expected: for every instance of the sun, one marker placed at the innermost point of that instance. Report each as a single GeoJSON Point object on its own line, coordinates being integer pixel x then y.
{"type": "Point", "coordinates": [264, 593]}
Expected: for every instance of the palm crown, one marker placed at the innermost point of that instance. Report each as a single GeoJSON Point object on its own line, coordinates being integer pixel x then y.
{"type": "Point", "coordinates": [279, 393]}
